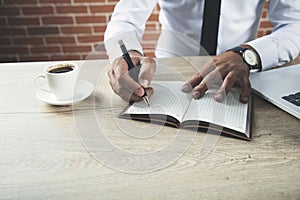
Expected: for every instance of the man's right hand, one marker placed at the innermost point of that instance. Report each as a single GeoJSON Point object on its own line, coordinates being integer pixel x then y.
{"type": "Point", "coordinates": [124, 85]}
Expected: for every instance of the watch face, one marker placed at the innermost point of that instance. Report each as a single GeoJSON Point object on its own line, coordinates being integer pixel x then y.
{"type": "Point", "coordinates": [250, 57]}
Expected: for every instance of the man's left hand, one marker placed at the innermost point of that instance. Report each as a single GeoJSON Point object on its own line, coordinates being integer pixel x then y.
{"type": "Point", "coordinates": [227, 68]}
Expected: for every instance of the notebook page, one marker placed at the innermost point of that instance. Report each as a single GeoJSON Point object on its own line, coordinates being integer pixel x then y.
{"type": "Point", "coordinates": [231, 113]}
{"type": "Point", "coordinates": [167, 99]}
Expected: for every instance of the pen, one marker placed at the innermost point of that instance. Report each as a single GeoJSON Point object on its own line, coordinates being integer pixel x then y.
{"type": "Point", "coordinates": [133, 71]}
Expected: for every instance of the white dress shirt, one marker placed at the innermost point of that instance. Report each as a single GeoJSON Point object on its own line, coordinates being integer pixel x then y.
{"type": "Point", "coordinates": [181, 28]}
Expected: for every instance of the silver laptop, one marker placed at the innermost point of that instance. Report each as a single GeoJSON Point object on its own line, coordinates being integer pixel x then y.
{"type": "Point", "coordinates": [280, 86]}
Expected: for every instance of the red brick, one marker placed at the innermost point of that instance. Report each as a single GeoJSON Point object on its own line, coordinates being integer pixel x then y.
{"type": "Point", "coordinates": [5, 41]}
{"type": "Point", "coordinates": [76, 49]}
{"type": "Point", "coordinates": [3, 21]}
{"type": "Point", "coordinates": [76, 29]}
{"type": "Point", "coordinates": [90, 19]}
{"type": "Point", "coordinates": [149, 54]}
{"type": "Point", "coordinates": [264, 14]}
{"type": "Point", "coordinates": [8, 58]}
{"type": "Point", "coordinates": [43, 30]}
{"type": "Point", "coordinates": [90, 39]}
{"type": "Point", "coordinates": [38, 10]}
{"type": "Point", "coordinates": [151, 26]}
{"type": "Point", "coordinates": [13, 50]}
{"type": "Point", "coordinates": [99, 29]}
{"type": "Point", "coordinates": [88, 1]}
{"type": "Point", "coordinates": [150, 36]}
{"type": "Point", "coordinates": [65, 57]}
{"type": "Point", "coordinates": [28, 41]}
{"type": "Point", "coordinates": [20, 2]}
{"type": "Point", "coordinates": [12, 31]}
{"type": "Point", "coordinates": [149, 46]}
{"type": "Point", "coordinates": [264, 24]}
{"type": "Point", "coordinates": [71, 9]}
{"type": "Point", "coordinates": [44, 49]}
{"type": "Point", "coordinates": [94, 56]}
{"type": "Point", "coordinates": [102, 8]}
{"type": "Point", "coordinates": [23, 20]}
{"type": "Point", "coordinates": [153, 17]}
{"type": "Point", "coordinates": [32, 58]}
{"type": "Point", "coordinates": [268, 32]}
{"type": "Point", "coordinates": [157, 7]}
{"type": "Point", "coordinates": [9, 11]}
{"type": "Point", "coordinates": [57, 20]}
{"type": "Point", "coordinates": [155, 29]}
{"type": "Point", "coordinates": [60, 40]}
{"type": "Point", "coordinates": [99, 48]}
{"type": "Point", "coordinates": [260, 34]}
{"type": "Point", "coordinates": [56, 1]}
{"type": "Point", "coordinates": [266, 4]}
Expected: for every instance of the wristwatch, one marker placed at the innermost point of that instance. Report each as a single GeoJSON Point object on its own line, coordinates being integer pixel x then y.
{"type": "Point", "coordinates": [249, 57]}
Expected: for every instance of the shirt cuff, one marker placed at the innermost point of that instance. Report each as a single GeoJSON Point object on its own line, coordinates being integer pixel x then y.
{"type": "Point", "coordinates": [113, 49]}
{"type": "Point", "coordinates": [266, 49]}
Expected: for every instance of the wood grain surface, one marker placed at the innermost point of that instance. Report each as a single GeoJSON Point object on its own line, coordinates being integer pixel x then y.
{"type": "Point", "coordinates": [85, 151]}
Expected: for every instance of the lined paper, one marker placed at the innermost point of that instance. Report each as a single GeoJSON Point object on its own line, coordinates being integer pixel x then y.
{"type": "Point", "coordinates": [230, 113]}
{"type": "Point", "coordinates": [168, 99]}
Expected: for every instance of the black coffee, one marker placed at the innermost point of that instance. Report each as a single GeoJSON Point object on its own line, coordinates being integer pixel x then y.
{"type": "Point", "coordinates": [61, 69]}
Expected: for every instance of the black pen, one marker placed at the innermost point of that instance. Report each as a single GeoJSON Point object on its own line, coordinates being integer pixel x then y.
{"type": "Point", "coordinates": [133, 71]}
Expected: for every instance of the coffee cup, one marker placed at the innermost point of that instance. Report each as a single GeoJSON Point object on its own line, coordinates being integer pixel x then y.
{"type": "Point", "coordinates": [59, 79]}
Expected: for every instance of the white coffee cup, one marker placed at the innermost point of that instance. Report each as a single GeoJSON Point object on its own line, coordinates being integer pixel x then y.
{"type": "Point", "coordinates": [60, 79]}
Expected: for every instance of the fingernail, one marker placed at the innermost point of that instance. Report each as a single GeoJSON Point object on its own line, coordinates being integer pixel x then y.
{"type": "Point", "coordinates": [186, 88]}
{"type": "Point", "coordinates": [139, 92]}
{"type": "Point", "coordinates": [219, 97]}
{"type": "Point", "coordinates": [196, 95]}
{"type": "Point", "coordinates": [149, 91]}
{"type": "Point", "coordinates": [245, 99]}
{"type": "Point", "coordinates": [145, 83]}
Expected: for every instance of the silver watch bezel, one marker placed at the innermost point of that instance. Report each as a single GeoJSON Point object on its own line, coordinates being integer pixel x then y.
{"type": "Point", "coordinates": [250, 58]}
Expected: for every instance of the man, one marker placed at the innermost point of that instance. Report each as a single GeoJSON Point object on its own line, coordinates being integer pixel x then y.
{"type": "Point", "coordinates": [237, 51]}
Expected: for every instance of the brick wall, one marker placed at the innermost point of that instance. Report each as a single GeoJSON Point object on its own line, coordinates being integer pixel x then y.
{"type": "Point", "coordinates": [38, 30]}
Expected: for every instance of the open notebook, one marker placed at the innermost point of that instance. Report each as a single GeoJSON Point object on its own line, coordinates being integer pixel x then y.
{"type": "Point", "coordinates": [169, 105]}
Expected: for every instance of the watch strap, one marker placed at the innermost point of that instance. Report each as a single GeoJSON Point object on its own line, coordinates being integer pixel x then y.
{"type": "Point", "coordinates": [238, 49]}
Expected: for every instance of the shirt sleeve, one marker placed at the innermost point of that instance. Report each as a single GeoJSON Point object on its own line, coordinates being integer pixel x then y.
{"type": "Point", "coordinates": [283, 44]}
{"type": "Point", "coordinates": [128, 24]}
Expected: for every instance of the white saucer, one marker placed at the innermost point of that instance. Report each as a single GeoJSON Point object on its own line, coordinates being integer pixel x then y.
{"type": "Point", "coordinates": [83, 90]}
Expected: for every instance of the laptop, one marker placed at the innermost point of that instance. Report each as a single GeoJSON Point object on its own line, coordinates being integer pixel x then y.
{"type": "Point", "coordinates": [280, 86]}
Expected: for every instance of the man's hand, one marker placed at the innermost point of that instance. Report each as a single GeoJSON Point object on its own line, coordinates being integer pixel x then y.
{"type": "Point", "coordinates": [124, 85]}
{"type": "Point", "coordinates": [228, 67]}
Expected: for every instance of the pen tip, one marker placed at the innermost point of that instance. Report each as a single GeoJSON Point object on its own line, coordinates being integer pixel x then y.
{"type": "Point", "coordinates": [121, 42]}
{"type": "Point", "coordinates": [146, 99]}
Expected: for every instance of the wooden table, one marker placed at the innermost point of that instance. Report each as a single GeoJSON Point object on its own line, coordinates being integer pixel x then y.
{"type": "Point", "coordinates": [55, 152]}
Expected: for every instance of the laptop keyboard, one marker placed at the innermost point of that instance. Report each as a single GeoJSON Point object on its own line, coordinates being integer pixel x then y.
{"type": "Point", "coordinates": [293, 98]}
